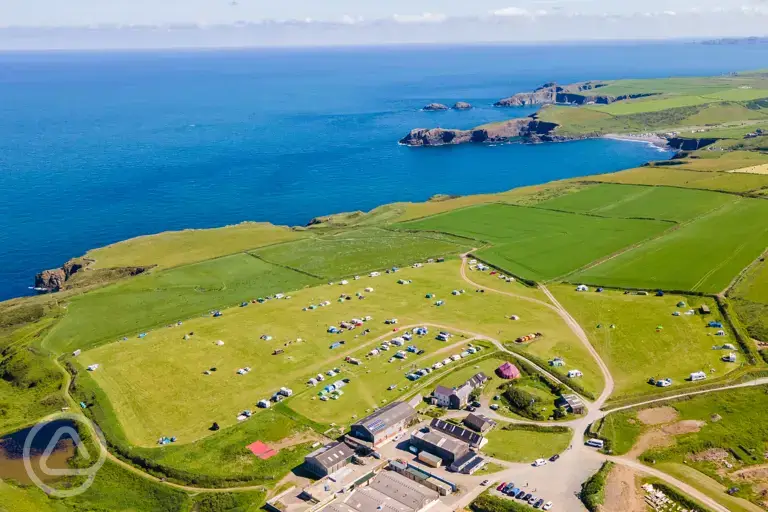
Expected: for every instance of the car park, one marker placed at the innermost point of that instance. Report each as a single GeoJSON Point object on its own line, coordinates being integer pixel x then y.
{"type": "Point", "coordinates": [547, 506]}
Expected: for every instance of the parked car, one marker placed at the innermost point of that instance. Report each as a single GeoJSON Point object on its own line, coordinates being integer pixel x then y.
{"type": "Point", "coordinates": [485, 482]}
{"type": "Point", "coordinates": [540, 462]}
{"type": "Point", "coordinates": [538, 504]}
{"type": "Point", "coordinates": [514, 492]}
{"type": "Point", "coordinates": [476, 404]}
{"type": "Point", "coordinates": [554, 458]}
{"type": "Point", "coordinates": [520, 495]}
{"type": "Point", "coordinates": [547, 506]}
{"type": "Point", "coordinates": [501, 486]}
{"type": "Point", "coordinates": [508, 488]}
{"type": "Point", "coordinates": [527, 496]}
{"type": "Point", "coordinates": [532, 500]}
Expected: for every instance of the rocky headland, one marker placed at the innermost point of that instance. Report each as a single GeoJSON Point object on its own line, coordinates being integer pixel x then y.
{"type": "Point", "coordinates": [527, 128]}
{"type": "Point", "coordinates": [575, 94]}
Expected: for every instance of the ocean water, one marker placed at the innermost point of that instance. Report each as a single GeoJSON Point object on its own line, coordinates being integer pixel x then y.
{"type": "Point", "coordinates": [99, 147]}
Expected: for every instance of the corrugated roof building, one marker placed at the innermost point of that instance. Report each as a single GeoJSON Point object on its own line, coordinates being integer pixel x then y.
{"type": "Point", "coordinates": [384, 424]}
{"type": "Point", "coordinates": [329, 458]}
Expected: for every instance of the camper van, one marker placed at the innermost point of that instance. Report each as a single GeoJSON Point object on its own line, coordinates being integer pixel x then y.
{"type": "Point", "coordinates": [595, 443]}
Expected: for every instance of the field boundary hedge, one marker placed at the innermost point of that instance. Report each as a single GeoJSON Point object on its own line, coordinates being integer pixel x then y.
{"type": "Point", "coordinates": [593, 490]}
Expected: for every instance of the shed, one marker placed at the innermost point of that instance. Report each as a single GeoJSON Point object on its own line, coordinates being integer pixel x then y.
{"type": "Point", "coordinates": [429, 459]}
{"type": "Point", "coordinates": [704, 309]}
{"type": "Point", "coordinates": [508, 371]}
{"type": "Point", "coordinates": [574, 404]}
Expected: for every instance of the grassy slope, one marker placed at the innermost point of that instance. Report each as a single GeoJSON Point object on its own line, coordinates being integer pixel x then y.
{"type": "Point", "coordinates": [160, 298]}
{"type": "Point", "coordinates": [360, 251]}
{"type": "Point", "coordinates": [625, 201]}
{"type": "Point", "coordinates": [520, 444]}
{"type": "Point", "coordinates": [674, 177]}
{"type": "Point", "coordinates": [186, 407]}
{"type": "Point", "coordinates": [750, 298]}
{"type": "Point", "coordinates": [176, 248]}
{"type": "Point", "coordinates": [634, 351]}
{"type": "Point", "coordinates": [736, 409]}
{"type": "Point", "coordinates": [530, 242]}
{"type": "Point", "coordinates": [703, 256]}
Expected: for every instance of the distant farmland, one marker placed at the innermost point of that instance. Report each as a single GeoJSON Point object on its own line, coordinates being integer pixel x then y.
{"type": "Point", "coordinates": [701, 256]}
{"type": "Point", "coordinates": [540, 244]}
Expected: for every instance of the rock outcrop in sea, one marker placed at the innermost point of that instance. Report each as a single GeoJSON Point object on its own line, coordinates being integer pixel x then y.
{"type": "Point", "coordinates": [527, 128]}
{"type": "Point", "coordinates": [434, 107]}
{"type": "Point", "coordinates": [462, 105]}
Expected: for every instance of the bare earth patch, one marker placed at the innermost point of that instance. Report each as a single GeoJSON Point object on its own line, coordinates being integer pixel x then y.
{"type": "Point", "coordinates": [622, 492]}
{"type": "Point", "coordinates": [300, 438]}
{"type": "Point", "coordinates": [758, 477]}
{"type": "Point", "coordinates": [711, 455]}
{"type": "Point", "coordinates": [683, 427]}
{"type": "Point", "coordinates": [755, 169]}
{"type": "Point", "coordinates": [651, 439]}
{"type": "Point", "coordinates": [657, 415]}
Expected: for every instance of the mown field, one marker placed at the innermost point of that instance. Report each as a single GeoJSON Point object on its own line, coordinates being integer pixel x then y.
{"type": "Point", "coordinates": [674, 177]}
{"type": "Point", "coordinates": [185, 405]}
{"type": "Point", "coordinates": [639, 202]}
{"type": "Point", "coordinates": [730, 427]}
{"type": "Point", "coordinates": [704, 255]}
{"type": "Point", "coordinates": [717, 161]}
{"type": "Point", "coordinates": [360, 251]}
{"type": "Point", "coordinates": [634, 351]}
{"type": "Point", "coordinates": [540, 244]}
{"type": "Point", "coordinates": [526, 443]}
{"type": "Point", "coordinates": [153, 300]}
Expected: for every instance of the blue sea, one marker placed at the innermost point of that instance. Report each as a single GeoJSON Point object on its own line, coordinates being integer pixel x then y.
{"type": "Point", "coordinates": [100, 147]}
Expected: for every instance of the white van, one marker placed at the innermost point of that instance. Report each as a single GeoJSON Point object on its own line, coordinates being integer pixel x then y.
{"type": "Point", "coordinates": [596, 443]}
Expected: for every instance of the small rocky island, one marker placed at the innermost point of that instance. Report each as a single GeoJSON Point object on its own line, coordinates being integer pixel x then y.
{"type": "Point", "coordinates": [462, 105]}
{"type": "Point", "coordinates": [434, 107]}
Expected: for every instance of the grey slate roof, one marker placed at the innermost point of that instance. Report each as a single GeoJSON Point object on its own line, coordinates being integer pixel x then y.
{"type": "Point", "coordinates": [464, 434]}
{"type": "Point", "coordinates": [331, 454]}
{"type": "Point", "coordinates": [387, 416]}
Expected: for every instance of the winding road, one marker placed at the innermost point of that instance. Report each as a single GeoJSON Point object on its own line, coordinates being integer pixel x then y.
{"type": "Point", "coordinates": [574, 466]}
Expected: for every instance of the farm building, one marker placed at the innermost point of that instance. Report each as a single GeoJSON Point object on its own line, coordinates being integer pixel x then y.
{"type": "Point", "coordinates": [467, 464]}
{"type": "Point", "coordinates": [470, 437]}
{"type": "Point", "coordinates": [704, 309]}
{"type": "Point", "coordinates": [444, 446]}
{"type": "Point", "coordinates": [388, 491]}
{"type": "Point", "coordinates": [329, 458]}
{"type": "Point", "coordinates": [479, 423]}
{"type": "Point", "coordinates": [384, 424]}
{"type": "Point", "coordinates": [573, 403]}
{"type": "Point", "coordinates": [508, 371]}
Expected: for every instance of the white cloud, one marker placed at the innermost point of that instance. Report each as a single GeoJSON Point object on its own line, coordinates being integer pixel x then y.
{"type": "Point", "coordinates": [425, 17]}
{"type": "Point", "coordinates": [351, 20]}
{"type": "Point", "coordinates": [670, 13]}
{"type": "Point", "coordinates": [512, 11]}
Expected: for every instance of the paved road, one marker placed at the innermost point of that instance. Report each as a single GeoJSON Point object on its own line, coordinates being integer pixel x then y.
{"type": "Point", "coordinates": [560, 481]}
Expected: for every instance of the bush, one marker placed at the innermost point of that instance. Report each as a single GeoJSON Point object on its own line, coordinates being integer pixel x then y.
{"type": "Point", "coordinates": [488, 503]}
{"type": "Point", "coordinates": [593, 490]}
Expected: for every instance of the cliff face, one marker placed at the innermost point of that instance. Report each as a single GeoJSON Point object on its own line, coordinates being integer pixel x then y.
{"type": "Point", "coordinates": [689, 144]}
{"type": "Point", "coordinates": [577, 94]}
{"type": "Point", "coordinates": [57, 279]}
{"type": "Point", "coordinates": [526, 128]}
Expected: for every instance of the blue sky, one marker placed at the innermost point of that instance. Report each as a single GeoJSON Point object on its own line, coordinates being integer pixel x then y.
{"type": "Point", "coordinates": [62, 24]}
{"type": "Point", "coordinates": [88, 12]}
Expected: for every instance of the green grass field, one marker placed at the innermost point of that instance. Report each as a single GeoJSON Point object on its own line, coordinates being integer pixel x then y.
{"type": "Point", "coordinates": [540, 244]}
{"type": "Point", "coordinates": [157, 299]}
{"type": "Point", "coordinates": [673, 177]}
{"type": "Point", "coordinates": [131, 371]}
{"type": "Point", "coordinates": [177, 248]}
{"type": "Point", "coordinates": [739, 94]}
{"type": "Point", "coordinates": [641, 202]}
{"type": "Point", "coordinates": [750, 298]}
{"type": "Point", "coordinates": [724, 161]}
{"type": "Point", "coordinates": [360, 251]}
{"type": "Point", "coordinates": [704, 255]}
{"type": "Point", "coordinates": [652, 104]}
{"type": "Point", "coordinates": [635, 351]}
{"type": "Point", "coordinates": [724, 417]}
{"type": "Point", "coordinates": [526, 443]}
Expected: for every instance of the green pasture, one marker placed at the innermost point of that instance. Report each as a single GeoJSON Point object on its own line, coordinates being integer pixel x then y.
{"type": "Point", "coordinates": [526, 443]}
{"type": "Point", "coordinates": [639, 202]}
{"type": "Point", "coordinates": [489, 282]}
{"type": "Point", "coordinates": [540, 244]}
{"type": "Point", "coordinates": [679, 86]}
{"type": "Point", "coordinates": [671, 176]}
{"type": "Point", "coordinates": [750, 298]}
{"type": "Point", "coordinates": [724, 416]}
{"type": "Point", "coordinates": [487, 365]}
{"type": "Point", "coordinates": [704, 255]}
{"type": "Point", "coordinates": [741, 94]}
{"type": "Point", "coordinates": [725, 161]}
{"type": "Point", "coordinates": [157, 386]}
{"type": "Point", "coordinates": [708, 486]}
{"type": "Point", "coordinates": [720, 114]}
{"type": "Point", "coordinates": [157, 299]}
{"type": "Point", "coordinates": [176, 248]}
{"type": "Point", "coordinates": [634, 351]}
{"type": "Point", "coordinates": [360, 251]}
{"type": "Point", "coordinates": [650, 104]}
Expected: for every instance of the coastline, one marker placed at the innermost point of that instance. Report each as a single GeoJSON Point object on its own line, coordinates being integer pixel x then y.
{"type": "Point", "coordinates": [644, 138]}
